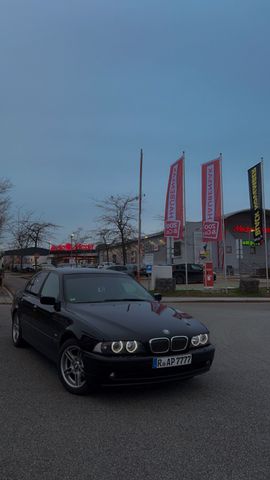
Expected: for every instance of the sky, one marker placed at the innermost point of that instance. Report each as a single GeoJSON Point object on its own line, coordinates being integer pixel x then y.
{"type": "Point", "coordinates": [85, 84]}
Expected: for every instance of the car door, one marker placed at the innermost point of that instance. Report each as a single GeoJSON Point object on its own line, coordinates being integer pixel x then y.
{"type": "Point", "coordinates": [49, 320]}
{"type": "Point", "coordinates": [27, 307]}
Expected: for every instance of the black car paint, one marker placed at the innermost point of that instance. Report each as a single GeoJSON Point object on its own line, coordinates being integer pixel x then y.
{"type": "Point", "coordinates": [46, 327]}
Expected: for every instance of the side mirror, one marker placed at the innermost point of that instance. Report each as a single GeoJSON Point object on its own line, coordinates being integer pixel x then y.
{"type": "Point", "coordinates": [158, 297]}
{"type": "Point", "coordinates": [48, 300]}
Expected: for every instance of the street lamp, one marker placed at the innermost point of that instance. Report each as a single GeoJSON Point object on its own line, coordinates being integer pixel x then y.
{"type": "Point", "coordinates": [71, 242]}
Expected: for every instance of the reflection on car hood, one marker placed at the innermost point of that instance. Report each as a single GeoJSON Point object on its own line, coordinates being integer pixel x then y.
{"type": "Point", "coordinates": [135, 320]}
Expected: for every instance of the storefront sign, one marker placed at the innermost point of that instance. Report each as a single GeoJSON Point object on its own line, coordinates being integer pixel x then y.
{"type": "Point", "coordinates": [247, 229]}
{"type": "Point", "coordinates": [68, 247]}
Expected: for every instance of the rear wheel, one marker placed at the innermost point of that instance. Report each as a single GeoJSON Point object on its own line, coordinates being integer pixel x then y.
{"type": "Point", "coordinates": [17, 331]}
{"type": "Point", "coordinates": [71, 368]}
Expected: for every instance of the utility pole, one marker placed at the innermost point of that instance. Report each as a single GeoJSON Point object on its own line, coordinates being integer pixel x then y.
{"type": "Point", "coordinates": [140, 219]}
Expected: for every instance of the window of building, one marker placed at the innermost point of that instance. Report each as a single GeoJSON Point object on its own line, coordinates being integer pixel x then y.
{"type": "Point", "coordinates": [177, 249]}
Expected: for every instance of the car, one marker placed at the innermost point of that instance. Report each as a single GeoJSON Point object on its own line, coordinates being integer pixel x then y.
{"type": "Point", "coordinates": [194, 270]}
{"type": "Point", "coordinates": [130, 270]}
{"type": "Point", "coordinates": [101, 327]}
{"type": "Point", "coordinates": [106, 265]}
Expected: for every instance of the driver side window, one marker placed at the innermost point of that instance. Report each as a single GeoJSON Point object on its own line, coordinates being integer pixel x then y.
{"type": "Point", "coordinates": [51, 286]}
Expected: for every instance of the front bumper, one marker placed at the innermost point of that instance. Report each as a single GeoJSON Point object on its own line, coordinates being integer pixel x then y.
{"type": "Point", "coordinates": [137, 370]}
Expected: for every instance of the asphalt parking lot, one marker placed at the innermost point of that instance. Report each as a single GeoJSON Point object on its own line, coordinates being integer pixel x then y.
{"type": "Point", "coordinates": [216, 426]}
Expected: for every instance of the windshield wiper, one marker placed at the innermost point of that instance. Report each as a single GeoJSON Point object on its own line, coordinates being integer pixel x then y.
{"type": "Point", "coordinates": [125, 300]}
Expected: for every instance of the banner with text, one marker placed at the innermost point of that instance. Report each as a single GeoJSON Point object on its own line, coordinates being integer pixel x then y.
{"type": "Point", "coordinates": [256, 205]}
{"type": "Point", "coordinates": [211, 201]}
{"type": "Point", "coordinates": [174, 210]}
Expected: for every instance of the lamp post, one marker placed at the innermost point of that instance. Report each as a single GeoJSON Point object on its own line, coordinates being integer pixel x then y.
{"type": "Point", "coordinates": [71, 242]}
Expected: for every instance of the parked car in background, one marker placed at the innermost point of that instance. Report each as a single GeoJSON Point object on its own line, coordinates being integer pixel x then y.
{"type": "Point", "coordinates": [106, 264]}
{"type": "Point", "coordinates": [194, 271]}
{"type": "Point", "coordinates": [124, 269]}
{"type": "Point", "coordinates": [101, 327]}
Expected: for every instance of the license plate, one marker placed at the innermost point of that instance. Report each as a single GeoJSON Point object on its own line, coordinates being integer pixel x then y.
{"type": "Point", "coordinates": [165, 362]}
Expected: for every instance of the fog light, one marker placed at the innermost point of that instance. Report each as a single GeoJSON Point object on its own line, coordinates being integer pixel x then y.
{"type": "Point", "coordinates": [131, 346]}
{"type": "Point", "coordinates": [117, 347]}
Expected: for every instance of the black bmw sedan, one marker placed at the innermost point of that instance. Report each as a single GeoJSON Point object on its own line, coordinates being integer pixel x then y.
{"type": "Point", "coordinates": [103, 328]}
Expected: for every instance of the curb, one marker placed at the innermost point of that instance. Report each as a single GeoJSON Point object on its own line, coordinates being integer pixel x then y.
{"type": "Point", "coordinates": [215, 300]}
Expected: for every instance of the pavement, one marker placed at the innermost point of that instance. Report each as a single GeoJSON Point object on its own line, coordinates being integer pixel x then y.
{"type": "Point", "coordinates": [5, 296]}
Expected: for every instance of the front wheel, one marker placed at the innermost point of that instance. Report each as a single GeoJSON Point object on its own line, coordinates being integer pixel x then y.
{"type": "Point", "coordinates": [71, 368]}
{"type": "Point", "coordinates": [17, 331]}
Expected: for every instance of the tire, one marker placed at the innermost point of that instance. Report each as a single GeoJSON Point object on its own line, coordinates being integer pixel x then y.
{"type": "Point", "coordinates": [16, 331]}
{"type": "Point", "coordinates": [71, 368]}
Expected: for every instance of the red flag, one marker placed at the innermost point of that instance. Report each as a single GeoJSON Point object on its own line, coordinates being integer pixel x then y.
{"type": "Point", "coordinates": [211, 201]}
{"type": "Point", "coordinates": [174, 210]}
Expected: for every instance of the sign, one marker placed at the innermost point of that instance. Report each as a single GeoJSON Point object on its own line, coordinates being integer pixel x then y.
{"type": "Point", "coordinates": [247, 229]}
{"type": "Point", "coordinates": [256, 204]}
{"type": "Point", "coordinates": [208, 275]}
{"type": "Point", "coordinates": [148, 259]}
{"type": "Point", "coordinates": [68, 247]}
{"type": "Point", "coordinates": [148, 268]}
{"type": "Point", "coordinates": [174, 209]}
{"type": "Point", "coordinates": [211, 201]}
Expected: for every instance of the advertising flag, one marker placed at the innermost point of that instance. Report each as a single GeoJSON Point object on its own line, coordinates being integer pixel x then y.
{"type": "Point", "coordinates": [256, 203]}
{"type": "Point", "coordinates": [174, 210]}
{"type": "Point", "coordinates": [211, 201]}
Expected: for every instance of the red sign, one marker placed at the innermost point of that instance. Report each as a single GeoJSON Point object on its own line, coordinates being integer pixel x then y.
{"type": "Point", "coordinates": [211, 201]}
{"type": "Point", "coordinates": [67, 247]}
{"type": "Point", "coordinates": [245, 229]}
{"type": "Point", "coordinates": [174, 210]}
{"type": "Point", "coordinates": [208, 275]}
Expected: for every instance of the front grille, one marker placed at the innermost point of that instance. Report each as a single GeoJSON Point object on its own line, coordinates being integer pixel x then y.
{"type": "Point", "coordinates": [179, 343]}
{"type": "Point", "coordinates": [159, 345]}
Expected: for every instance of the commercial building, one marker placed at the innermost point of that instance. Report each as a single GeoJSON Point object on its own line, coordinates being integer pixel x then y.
{"type": "Point", "coordinates": [242, 254]}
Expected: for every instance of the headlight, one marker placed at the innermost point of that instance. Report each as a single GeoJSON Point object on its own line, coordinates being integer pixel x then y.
{"type": "Point", "coordinates": [131, 346]}
{"type": "Point", "coordinates": [195, 341]}
{"type": "Point", "coordinates": [117, 347]}
{"type": "Point", "coordinates": [204, 338]}
{"type": "Point", "coordinates": [200, 340]}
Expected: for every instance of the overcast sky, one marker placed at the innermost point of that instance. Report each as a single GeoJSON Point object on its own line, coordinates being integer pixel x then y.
{"type": "Point", "coordinates": [86, 83]}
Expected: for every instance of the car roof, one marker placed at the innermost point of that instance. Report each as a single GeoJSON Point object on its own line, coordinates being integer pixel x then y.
{"type": "Point", "coordinates": [84, 271]}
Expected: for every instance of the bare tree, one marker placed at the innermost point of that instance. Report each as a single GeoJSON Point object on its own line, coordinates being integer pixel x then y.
{"type": "Point", "coordinates": [5, 186]}
{"type": "Point", "coordinates": [106, 238]}
{"type": "Point", "coordinates": [19, 231]}
{"type": "Point", "coordinates": [118, 218]}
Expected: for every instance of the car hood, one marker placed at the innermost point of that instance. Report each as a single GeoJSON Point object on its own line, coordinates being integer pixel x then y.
{"type": "Point", "coordinates": [135, 320]}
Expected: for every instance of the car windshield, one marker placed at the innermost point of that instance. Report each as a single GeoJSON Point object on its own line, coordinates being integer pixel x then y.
{"type": "Point", "coordinates": [91, 288]}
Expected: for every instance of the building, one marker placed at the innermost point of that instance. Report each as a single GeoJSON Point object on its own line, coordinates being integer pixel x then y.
{"type": "Point", "coordinates": [242, 255]}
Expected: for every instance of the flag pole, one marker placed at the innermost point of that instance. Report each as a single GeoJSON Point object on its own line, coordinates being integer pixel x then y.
{"type": "Point", "coordinates": [265, 231]}
{"type": "Point", "coordinates": [184, 214]}
{"type": "Point", "coordinates": [223, 227]}
{"type": "Point", "coordinates": [140, 217]}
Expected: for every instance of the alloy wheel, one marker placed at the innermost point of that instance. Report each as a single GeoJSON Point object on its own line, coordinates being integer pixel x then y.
{"type": "Point", "coordinates": [72, 367]}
